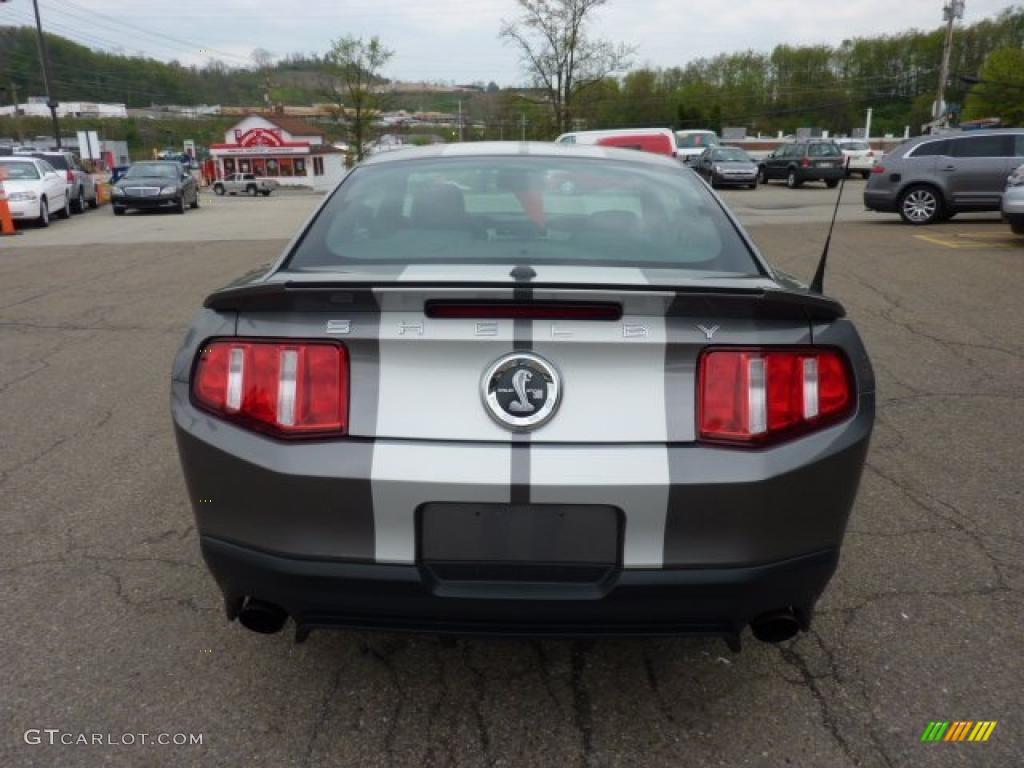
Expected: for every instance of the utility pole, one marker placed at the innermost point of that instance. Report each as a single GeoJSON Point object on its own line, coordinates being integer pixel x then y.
{"type": "Point", "coordinates": [522, 124]}
{"type": "Point", "coordinates": [45, 64]}
{"type": "Point", "coordinates": [17, 114]}
{"type": "Point", "coordinates": [867, 125]}
{"type": "Point", "coordinates": [950, 13]}
{"type": "Point", "coordinates": [460, 121]}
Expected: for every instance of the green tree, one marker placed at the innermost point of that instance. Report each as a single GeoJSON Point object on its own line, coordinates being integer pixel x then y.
{"type": "Point", "coordinates": [354, 85]}
{"type": "Point", "coordinates": [1000, 92]}
{"type": "Point", "coordinates": [559, 54]}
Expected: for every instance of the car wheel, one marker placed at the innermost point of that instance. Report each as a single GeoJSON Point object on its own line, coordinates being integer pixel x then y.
{"type": "Point", "coordinates": [65, 212]}
{"type": "Point", "coordinates": [118, 210]}
{"type": "Point", "coordinates": [251, 190]}
{"type": "Point", "coordinates": [266, 193]}
{"type": "Point", "coordinates": [181, 207]}
{"type": "Point", "coordinates": [832, 183]}
{"type": "Point", "coordinates": [218, 189]}
{"type": "Point", "coordinates": [195, 201]}
{"type": "Point", "coordinates": [791, 179]}
{"type": "Point", "coordinates": [44, 214]}
{"type": "Point", "coordinates": [920, 206]}
{"type": "Point", "coordinates": [79, 206]}
{"type": "Point", "coordinates": [763, 175]}
{"type": "Point", "coordinates": [865, 175]}
{"type": "Point", "coordinates": [754, 185]}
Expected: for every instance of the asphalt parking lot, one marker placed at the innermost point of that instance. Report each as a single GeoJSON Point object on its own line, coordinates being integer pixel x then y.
{"type": "Point", "coordinates": [113, 626]}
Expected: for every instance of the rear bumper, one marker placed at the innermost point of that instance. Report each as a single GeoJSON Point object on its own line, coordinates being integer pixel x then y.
{"type": "Point", "coordinates": [884, 200]}
{"type": "Point", "coordinates": [331, 594]}
{"type": "Point", "coordinates": [820, 174]}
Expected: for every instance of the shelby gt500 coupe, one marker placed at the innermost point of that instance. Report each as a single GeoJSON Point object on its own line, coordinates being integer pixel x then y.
{"type": "Point", "coordinates": [522, 389]}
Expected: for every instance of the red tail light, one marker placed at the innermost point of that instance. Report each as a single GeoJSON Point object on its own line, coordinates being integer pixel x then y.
{"type": "Point", "coordinates": [71, 177]}
{"type": "Point", "coordinates": [290, 389]}
{"type": "Point", "coordinates": [756, 396]}
{"type": "Point", "coordinates": [878, 169]}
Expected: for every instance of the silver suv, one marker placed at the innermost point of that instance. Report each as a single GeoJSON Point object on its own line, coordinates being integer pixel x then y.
{"type": "Point", "coordinates": [932, 178]}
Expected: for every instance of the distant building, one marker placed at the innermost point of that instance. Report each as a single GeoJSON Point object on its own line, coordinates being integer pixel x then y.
{"type": "Point", "coordinates": [286, 149]}
{"type": "Point", "coordinates": [36, 107]}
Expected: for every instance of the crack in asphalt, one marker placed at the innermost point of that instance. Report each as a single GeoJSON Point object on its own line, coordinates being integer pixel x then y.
{"type": "Point", "coordinates": [582, 707]}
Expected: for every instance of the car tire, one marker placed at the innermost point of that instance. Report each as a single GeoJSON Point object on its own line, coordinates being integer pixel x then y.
{"type": "Point", "coordinates": [763, 175]}
{"type": "Point", "coordinates": [65, 212]}
{"type": "Point", "coordinates": [195, 202]}
{"type": "Point", "coordinates": [921, 205]}
{"type": "Point", "coordinates": [865, 175]}
{"type": "Point", "coordinates": [251, 189]}
{"type": "Point", "coordinates": [753, 186]}
{"type": "Point", "coordinates": [44, 214]}
{"type": "Point", "coordinates": [218, 189]}
{"type": "Point", "coordinates": [79, 206]}
{"type": "Point", "coordinates": [181, 207]}
{"type": "Point", "coordinates": [831, 183]}
{"type": "Point", "coordinates": [118, 210]}
{"type": "Point", "coordinates": [266, 193]}
{"type": "Point", "coordinates": [95, 202]}
{"type": "Point", "coordinates": [792, 180]}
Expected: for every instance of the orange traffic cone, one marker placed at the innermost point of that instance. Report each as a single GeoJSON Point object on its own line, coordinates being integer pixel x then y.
{"type": "Point", "coordinates": [6, 221]}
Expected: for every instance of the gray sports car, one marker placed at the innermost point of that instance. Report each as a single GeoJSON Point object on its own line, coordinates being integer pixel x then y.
{"type": "Point", "coordinates": [522, 389]}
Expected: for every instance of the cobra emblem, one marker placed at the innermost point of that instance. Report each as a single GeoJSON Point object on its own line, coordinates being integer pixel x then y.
{"type": "Point", "coordinates": [519, 381]}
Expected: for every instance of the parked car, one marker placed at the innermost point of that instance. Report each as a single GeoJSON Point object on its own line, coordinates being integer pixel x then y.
{"type": "Point", "coordinates": [860, 157]}
{"type": "Point", "coordinates": [248, 183]}
{"type": "Point", "coordinates": [659, 141]}
{"type": "Point", "coordinates": [932, 178]}
{"type": "Point", "coordinates": [690, 144]}
{"type": "Point", "coordinates": [1013, 201]}
{"type": "Point", "coordinates": [34, 189]}
{"type": "Point", "coordinates": [803, 161]}
{"type": "Point", "coordinates": [727, 167]}
{"type": "Point", "coordinates": [160, 184]}
{"type": "Point", "coordinates": [433, 414]}
{"type": "Point", "coordinates": [81, 184]}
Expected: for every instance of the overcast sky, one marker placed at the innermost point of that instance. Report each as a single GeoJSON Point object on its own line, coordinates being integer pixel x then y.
{"type": "Point", "coordinates": [456, 40]}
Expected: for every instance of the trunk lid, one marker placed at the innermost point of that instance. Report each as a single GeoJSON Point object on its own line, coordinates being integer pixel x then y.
{"type": "Point", "coordinates": [625, 380]}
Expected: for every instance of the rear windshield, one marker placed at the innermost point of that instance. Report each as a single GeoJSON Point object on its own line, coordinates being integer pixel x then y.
{"type": "Point", "coordinates": [524, 210]}
{"type": "Point", "coordinates": [695, 140]}
{"type": "Point", "coordinates": [15, 171]}
{"type": "Point", "coordinates": [57, 161]}
{"type": "Point", "coordinates": [160, 170]}
{"type": "Point", "coordinates": [823, 150]}
{"type": "Point", "coordinates": [857, 146]}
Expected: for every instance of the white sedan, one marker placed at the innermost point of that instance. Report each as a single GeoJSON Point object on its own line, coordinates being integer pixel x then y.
{"type": "Point", "coordinates": [860, 156]}
{"type": "Point", "coordinates": [34, 188]}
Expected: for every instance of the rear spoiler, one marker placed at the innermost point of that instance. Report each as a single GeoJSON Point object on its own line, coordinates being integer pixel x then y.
{"type": "Point", "coordinates": [686, 300]}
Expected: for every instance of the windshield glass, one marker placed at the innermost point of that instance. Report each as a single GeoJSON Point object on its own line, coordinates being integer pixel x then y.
{"type": "Point", "coordinates": [18, 171]}
{"type": "Point", "coordinates": [730, 155]}
{"type": "Point", "coordinates": [57, 161]}
{"type": "Point", "coordinates": [857, 146]}
{"type": "Point", "coordinates": [523, 210]}
{"type": "Point", "coordinates": [149, 170]}
{"type": "Point", "coordinates": [696, 140]}
{"type": "Point", "coordinates": [824, 149]}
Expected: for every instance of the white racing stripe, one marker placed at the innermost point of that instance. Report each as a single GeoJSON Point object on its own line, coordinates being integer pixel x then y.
{"type": "Point", "coordinates": [405, 475]}
{"type": "Point", "coordinates": [633, 478]}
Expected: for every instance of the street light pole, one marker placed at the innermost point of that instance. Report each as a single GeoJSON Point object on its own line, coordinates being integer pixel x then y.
{"type": "Point", "coordinates": [950, 13]}
{"type": "Point", "coordinates": [45, 63]}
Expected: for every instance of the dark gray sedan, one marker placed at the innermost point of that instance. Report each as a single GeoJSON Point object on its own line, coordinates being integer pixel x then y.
{"type": "Point", "coordinates": [522, 389]}
{"type": "Point", "coordinates": [727, 167]}
{"type": "Point", "coordinates": [163, 185]}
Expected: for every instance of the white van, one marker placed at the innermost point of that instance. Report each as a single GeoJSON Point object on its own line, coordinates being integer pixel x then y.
{"type": "Point", "coordinates": [691, 144]}
{"type": "Point", "coordinates": [660, 141]}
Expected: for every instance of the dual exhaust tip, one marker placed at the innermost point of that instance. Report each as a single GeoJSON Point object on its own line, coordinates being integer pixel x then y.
{"type": "Point", "coordinates": [268, 619]}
